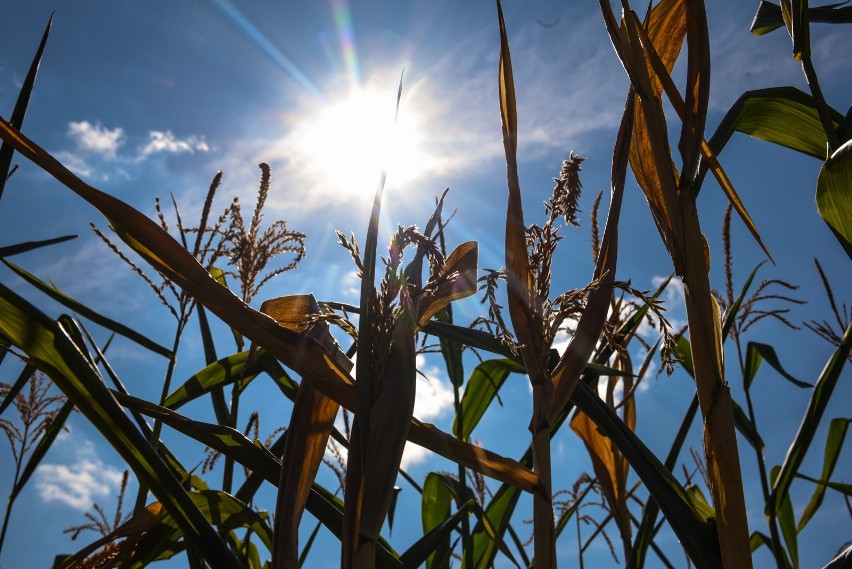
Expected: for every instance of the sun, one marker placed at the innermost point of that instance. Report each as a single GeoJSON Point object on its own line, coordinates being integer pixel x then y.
{"type": "Point", "coordinates": [357, 136]}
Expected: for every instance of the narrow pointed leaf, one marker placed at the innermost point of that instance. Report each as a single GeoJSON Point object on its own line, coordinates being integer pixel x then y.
{"type": "Point", "coordinates": [434, 512]}
{"type": "Point", "coordinates": [31, 245]}
{"type": "Point", "coordinates": [87, 312]}
{"type": "Point", "coordinates": [23, 101]}
{"type": "Point", "coordinates": [16, 387]}
{"type": "Point", "coordinates": [837, 430]}
{"type": "Point", "coordinates": [810, 421]}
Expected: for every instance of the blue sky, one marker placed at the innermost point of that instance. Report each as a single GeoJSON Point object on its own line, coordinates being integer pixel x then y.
{"type": "Point", "coordinates": [151, 99]}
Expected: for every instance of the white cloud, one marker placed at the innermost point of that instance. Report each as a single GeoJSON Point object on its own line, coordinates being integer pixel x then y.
{"type": "Point", "coordinates": [80, 484]}
{"type": "Point", "coordinates": [96, 138]}
{"type": "Point", "coordinates": [165, 141]}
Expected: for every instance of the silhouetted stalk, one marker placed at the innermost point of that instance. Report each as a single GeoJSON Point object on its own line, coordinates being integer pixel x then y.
{"type": "Point", "coordinates": [545, 531]}
{"type": "Point", "coordinates": [821, 105]}
{"type": "Point", "coordinates": [772, 521]}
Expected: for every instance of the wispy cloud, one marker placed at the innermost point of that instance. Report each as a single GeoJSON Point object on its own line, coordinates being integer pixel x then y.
{"type": "Point", "coordinates": [166, 142]}
{"type": "Point", "coordinates": [96, 138]}
{"type": "Point", "coordinates": [103, 153]}
{"type": "Point", "coordinates": [79, 484]}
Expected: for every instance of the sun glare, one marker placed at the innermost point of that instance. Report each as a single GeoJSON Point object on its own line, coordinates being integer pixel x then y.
{"type": "Point", "coordinates": [354, 138]}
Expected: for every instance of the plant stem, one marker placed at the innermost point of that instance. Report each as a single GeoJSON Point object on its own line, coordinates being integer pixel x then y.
{"type": "Point", "coordinates": [543, 526]}
{"type": "Point", "coordinates": [821, 105]}
{"type": "Point", "coordinates": [714, 398]}
{"type": "Point", "coordinates": [775, 538]}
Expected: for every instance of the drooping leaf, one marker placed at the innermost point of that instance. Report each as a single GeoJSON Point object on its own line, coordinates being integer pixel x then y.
{"type": "Point", "coordinates": [228, 370]}
{"type": "Point", "coordinates": [756, 353]}
{"type": "Point", "coordinates": [834, 195]}
{"type": "Point", "coordinates": [781, 115]}
{"type": "Point", "coordinates": [462, 262]}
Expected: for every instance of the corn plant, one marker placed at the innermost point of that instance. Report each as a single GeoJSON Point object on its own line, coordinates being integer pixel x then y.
{"type": "Point", "coordinates": [406, 296]}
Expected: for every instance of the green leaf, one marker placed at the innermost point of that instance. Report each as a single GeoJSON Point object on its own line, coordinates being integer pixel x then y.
{"type": "Point", "coordinates": [484, 383]}
{"type": "Point", "coordinates": [19, 384]}
{"type": "Point", "coordinates": [769, 17]}
{"type": "Point", "coordinates": [807, 428]}
{"type": "Point", "coordinates": [228, 370]}
{"type": "Point", "coordinates": [756, 353]}
{"type": "Point", "coordinates": [498, 513]}
{"type": "Point", "coordinates": [87, 312]}
{"type": "Point", "coordinates": [30, 245]}
{"type": "Point", "coordinates": [834, 195]}
{"type": "Point", "coordinates": [226, 512]}
{"type": "Point", "coordinates": [51, 350]}
{"type": "Point", "coordinates": [782, 115]}
{"type": "Point", "coordinates": [834, 442]}
{"type": "Point", "coordinates": [434, 512]}
{"type": "Point", "coordinates": [787, 522]}
{"type": "Point", "coordinates": [17, 119]}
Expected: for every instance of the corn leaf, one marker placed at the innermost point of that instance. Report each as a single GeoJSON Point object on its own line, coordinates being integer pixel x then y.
{"type": "Point", "coordinates": [834, 195]}
{"type": "Point", "coordinates": [462, 262]}
{"type": "Point", "coordinates": [609, 466]}
{"type": "Point", "coordinates": [20, 110]}
{"type": "Point", "coordinates": [434, 514]}
{"type": "Point", "coordinates": [498, 513]}
{"type": "Point", "coordinates": [757, 353]}
{"type": "Point", "coordinates": [87, 312]}
{"type": "Point", "coordinates": [19, 248]}
{"type": "Point", "coordinates": [810, 421]}
{"type": "Point", "coordinates": [484, 383]}
{"type": "Point", "coordinates": [52, 352]}
{"type": "Point", "coordinates": [781, 115]}
{"type": "Point", "coordinates": [20, 382]}
{"type": "Point", "coordinates": [834, 443]}
{"type": "Point", "coordinates": [228, 370]}
{"type": "Point", "coordinates": [769, 17]}
{"type": "Point", "coordinates": [787, 522]}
